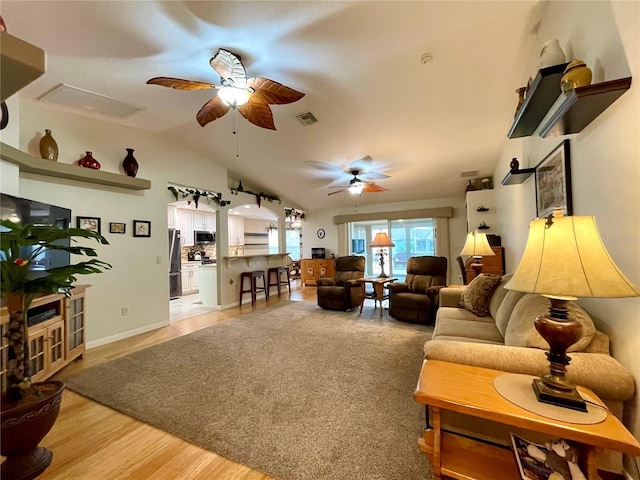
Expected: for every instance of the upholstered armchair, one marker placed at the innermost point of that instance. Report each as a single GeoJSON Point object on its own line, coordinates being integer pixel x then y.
{"type": "Point", "coordinates": [416, 299]}
{"type": "Point", "coordinates": [343, 292]}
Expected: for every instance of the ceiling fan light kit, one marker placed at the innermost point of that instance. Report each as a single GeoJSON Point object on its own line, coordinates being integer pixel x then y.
{"type": "Point", "coordinates": [250, 96]}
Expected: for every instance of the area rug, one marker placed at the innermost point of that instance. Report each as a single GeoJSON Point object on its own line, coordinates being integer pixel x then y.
{"type": "Point", "coordinates": [294, 391]}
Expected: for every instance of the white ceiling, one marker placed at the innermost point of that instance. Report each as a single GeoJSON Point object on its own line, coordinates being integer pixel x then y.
{"type": "Point", "coordinates": [359, 64]}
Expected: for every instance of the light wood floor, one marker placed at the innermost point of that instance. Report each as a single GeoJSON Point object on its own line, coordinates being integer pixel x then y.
{"type": "Point", "coordinates": [90, 441]}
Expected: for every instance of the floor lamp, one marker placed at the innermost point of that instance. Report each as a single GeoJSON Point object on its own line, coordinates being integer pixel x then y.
{"type": "Point", "coordinates": [564, 259]}
{"type": "Point", "coordinates": [382, 241]}
{"type": "Point", "coordinates": [477, 246]}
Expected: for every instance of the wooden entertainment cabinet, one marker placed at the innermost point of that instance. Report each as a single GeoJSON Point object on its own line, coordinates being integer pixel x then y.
{"type": "Point", "coordinates": [57, 339]}
{"type": "Point", "coordinates": [314, 268]}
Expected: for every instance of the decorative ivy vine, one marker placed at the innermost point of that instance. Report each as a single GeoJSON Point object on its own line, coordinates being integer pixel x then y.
{"type": "Point", "coordinates": [196, 195]}
{"type": "Point", "coordinates": [292, 212]}
{"type": "Point", "coordinates": [259, 196]}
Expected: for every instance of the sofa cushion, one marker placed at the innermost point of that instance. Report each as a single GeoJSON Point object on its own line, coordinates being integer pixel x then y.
{"type": "Point", "coordinates": [521, 331]}
{"type": "Point", "coordinates": [498, 295]}
{"type": "Point", "coordinates": [470, 330]}
{"type": "Point", "coordinates": [477, 295]}
{"type": "Point", "coordinates": [506, 308]}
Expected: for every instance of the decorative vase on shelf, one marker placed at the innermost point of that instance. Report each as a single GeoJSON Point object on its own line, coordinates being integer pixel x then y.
{"type": "Point", "coordinates": [130, 164]}
{"type": "Point", "coordinates": [89, 162]}
{"type": "Point", "coordinates": [551, 54]}
{"type": "Point", "coordinates": [48, 147]}
{"type": "Point", "coordinates": [577, 74]}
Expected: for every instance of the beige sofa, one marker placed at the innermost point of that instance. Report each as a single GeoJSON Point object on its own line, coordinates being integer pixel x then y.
{"type": "Point", "coordinates": [505, 339]}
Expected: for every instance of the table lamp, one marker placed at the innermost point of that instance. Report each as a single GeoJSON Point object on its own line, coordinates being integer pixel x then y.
{"type": "Point", "coordinates": [477, 246]}
{"type": "Point", "coordinates": [565, 258]}
{"type": "Point", "coordinates": [382, 241]}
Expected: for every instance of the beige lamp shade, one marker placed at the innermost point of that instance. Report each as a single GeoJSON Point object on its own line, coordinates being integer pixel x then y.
{"type": "Point", "coordinates": [382, 240]}
{"type": "Point", "coordinates": [477, 245]}
{"type": "Point", "coordinates": [568, 258]}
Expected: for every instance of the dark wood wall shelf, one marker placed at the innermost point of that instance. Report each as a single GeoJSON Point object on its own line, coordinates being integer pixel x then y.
{"type": "Point", "coordinates": [542, 94]}
{"type": "Point", "coordinates": [516, 177]}
{"type": "Point", "coordinates": [581, 106]}
{"type": "Point", "coordinates": [39, 166]}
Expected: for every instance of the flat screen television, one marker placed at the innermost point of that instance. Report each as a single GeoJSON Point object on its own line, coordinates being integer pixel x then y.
{"type": "Point", "coordinates": [24, 211]}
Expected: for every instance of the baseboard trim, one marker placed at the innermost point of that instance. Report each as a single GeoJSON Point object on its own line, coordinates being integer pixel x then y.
{"type": "Point", "coordinates": [130, 333]}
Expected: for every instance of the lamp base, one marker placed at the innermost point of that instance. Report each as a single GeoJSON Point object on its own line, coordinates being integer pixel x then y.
{"type": "Point", "coordinates": [561, 398]}
{"type": "Point", "coordinates": [383, 275]}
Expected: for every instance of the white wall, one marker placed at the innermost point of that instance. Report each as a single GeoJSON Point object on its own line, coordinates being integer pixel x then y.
{"type": "Point", "coordinates": [605, 163]}
{"type": "Point", "coordinates": [138, 281]}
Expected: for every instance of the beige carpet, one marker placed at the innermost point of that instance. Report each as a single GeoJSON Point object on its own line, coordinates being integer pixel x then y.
{"type": "Point", "coordinates": [294, 391]}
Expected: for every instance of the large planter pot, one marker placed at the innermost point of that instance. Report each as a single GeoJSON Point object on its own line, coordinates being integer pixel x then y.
{"type": "Point", "coordinates": [24, 425]}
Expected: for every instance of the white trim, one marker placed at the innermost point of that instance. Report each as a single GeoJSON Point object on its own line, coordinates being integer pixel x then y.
{"type": "Point", "coordinates": [130, 333]}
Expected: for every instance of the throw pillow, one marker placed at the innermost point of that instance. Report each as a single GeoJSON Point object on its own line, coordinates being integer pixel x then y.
{"type": "Point", "coordinates": [521, 331]}
{"type": "Point", "coordinates": [477, 295]}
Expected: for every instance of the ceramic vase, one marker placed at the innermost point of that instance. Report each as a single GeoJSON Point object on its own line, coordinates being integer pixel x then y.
{"type": "Point", "coordinates": [551, 54]}
{"type": "Point", "coordinates": [89, 162]}
{"type": "Point", "coordinates": [577, 74]}
{"type": "Point", "coordinates": [130, 164]}
{"type": "Point", "coordinates": [48, 146]}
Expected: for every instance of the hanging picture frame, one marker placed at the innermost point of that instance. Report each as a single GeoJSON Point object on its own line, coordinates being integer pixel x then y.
{"type": "Point", "coordinates": [141, 228]}
{"type": "Point", "coordinates": [553, 182]}
{"type": "Point", "coordinates": [89, 223]}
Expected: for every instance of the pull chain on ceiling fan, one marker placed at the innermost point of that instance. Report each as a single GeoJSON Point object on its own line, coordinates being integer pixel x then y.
{"type": "Point", "coordinates": [249, 96]}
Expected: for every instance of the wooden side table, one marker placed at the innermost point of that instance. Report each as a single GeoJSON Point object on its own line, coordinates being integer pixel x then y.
{"type": "Point", "coordinates": [378, 294]}
{"type": "Point", "coordinates": [469, 390]}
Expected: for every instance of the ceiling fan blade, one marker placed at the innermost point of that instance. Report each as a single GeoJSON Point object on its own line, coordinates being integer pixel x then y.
{"type": "Point", "coordinates": [214, 108]}
{"type": "Point", "coordinates": [363, 164]}
{"type": "Point", "coordinates": [337, 191]}
{"type": "Point", "coordinates": [372, 188]}
{"type": "Point", "coordinates": [229, 67]}
{"type": "Point", "coordinates": [374, 176]}
{"type": "Point", "coordinates": [325, 167]}
{"type": "Point", "coordinates": [274, 92]}
{"type": "Point", "coordinates": [258, 112]}
{"type": "Point", "coordinates": [180, 84]}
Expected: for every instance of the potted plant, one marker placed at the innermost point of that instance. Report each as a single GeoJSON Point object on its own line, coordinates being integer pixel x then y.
{"type": "Point", "coordinates": [30, 410]}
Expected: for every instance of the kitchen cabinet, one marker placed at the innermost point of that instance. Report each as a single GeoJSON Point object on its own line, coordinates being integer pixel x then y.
{"type": "Point", "coordinates": [185, 225]}
{"type": "Point", "coordinates": [236, 230]}
{"type": "Point", "coordinates": [315, 268]}
{"type": "Point", "coordinates": [171, 216]}
{"type": "Point", "coordinates": [203, 220]}
{"type": "Point", "coordinates": [56, 334]}
{"type": "Point", "coordinates": [190, 273]}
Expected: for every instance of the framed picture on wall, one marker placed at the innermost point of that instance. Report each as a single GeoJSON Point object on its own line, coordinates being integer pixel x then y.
{"type": "Point", "coordinates": [88, 223]}
{"type": "Point", "coordinates": [553, 182]}
{"type": "Point", "coordinates": [117, 227]}
{"type": "Point", "coordinates": [141, 228]}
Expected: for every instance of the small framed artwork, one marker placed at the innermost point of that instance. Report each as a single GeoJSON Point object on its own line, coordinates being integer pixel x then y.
{"type": "Point", "coordinates": [117, 227]}
{"type": "Point", "coordinates": [88, 223]}
{"type": "Point", "coordinates": [141, 228]}
{"type": "Point", "coordinates": [553, 182]}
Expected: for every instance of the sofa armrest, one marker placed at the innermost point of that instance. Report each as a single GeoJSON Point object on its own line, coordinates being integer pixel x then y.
{"type": "Point", "coordinates": [326, 282]}
{"type": "Point", "coordinates": [599, 372]}
{"type": "Point", "coordinates": [398, 287]}
{"type": "Point", "coordinates": [450, 296]}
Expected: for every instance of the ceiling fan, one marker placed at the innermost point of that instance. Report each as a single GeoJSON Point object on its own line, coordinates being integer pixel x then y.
{"type": "Point", "coordinates": [250, 96]}
{"type": "Point", "coordinates": [360, 170]}
{"type": "Point", "coordinates": [357, 187]}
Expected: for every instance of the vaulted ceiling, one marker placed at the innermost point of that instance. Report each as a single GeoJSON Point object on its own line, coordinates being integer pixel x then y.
{"type": "Point", "coordinates": [361, 65]}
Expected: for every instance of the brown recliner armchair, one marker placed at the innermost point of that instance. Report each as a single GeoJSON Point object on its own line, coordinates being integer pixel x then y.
{"type": "Point", "coordinates": [343, 292]}
{"type": "Point", "coordinates": [416, 299]}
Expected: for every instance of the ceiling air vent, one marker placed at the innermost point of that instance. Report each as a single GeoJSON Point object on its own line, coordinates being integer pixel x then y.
{"type": "Point", "coordinates": [307, 119]}
{"type": "Point", "coordinates": [470, 173]}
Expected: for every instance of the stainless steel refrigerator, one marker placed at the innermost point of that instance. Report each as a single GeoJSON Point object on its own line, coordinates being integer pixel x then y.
{"type": "Point", "coordinates": [175, 277]}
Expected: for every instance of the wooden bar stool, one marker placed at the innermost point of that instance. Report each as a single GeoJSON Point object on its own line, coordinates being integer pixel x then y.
{"type": "Point", "coordinates": [254, 288]}
{"type": "Point", "coordinates": [274, 278]}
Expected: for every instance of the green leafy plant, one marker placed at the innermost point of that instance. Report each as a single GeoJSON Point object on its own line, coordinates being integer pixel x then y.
{"type": "Point", "coordinates": [21, 245]}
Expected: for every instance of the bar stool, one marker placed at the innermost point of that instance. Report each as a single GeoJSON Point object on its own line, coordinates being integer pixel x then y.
{"type": "Point", "coordinates": [253, 287]}
{"type": "Point", "coordinates": [278, 280]}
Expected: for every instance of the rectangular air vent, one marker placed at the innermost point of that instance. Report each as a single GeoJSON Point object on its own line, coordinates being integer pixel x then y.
{"type": "Point", "coordinates": [470, 173]}
{"type": "Point", "coordinates": [307, 118]}
{"type": "Point", "coordinates": [74, 97]}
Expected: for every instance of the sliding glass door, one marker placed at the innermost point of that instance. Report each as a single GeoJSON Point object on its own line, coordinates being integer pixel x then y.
{"type": "Point", "coordinates": [412, 237]}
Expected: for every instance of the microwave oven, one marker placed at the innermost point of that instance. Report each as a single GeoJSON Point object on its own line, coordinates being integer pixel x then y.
{"type": "Point", "coordinates": [202, 237]}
